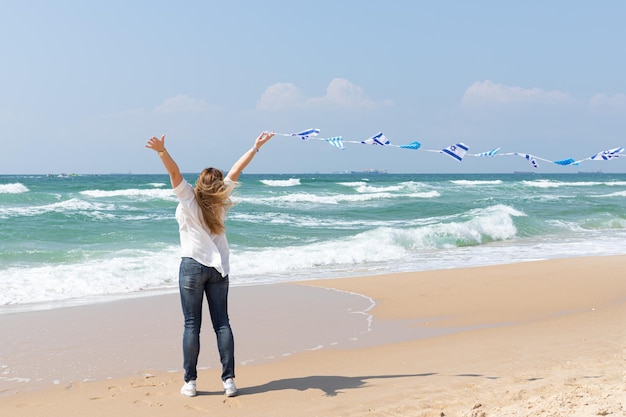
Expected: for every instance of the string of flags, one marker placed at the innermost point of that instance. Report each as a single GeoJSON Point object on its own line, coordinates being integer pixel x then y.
{"type": "Point", "coordinates": [457, 151]}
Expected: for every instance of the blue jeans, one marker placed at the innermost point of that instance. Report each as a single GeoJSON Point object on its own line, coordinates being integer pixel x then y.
{"type": "Point", "coordinates": [195, 280]}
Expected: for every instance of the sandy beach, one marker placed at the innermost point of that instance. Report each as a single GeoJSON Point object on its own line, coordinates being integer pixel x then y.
{"type": "Point", "coordinates": [544, 338]}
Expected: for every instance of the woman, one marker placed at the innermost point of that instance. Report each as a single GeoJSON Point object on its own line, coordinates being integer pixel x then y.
{"type": "Point", "coordinates": [204, 266]}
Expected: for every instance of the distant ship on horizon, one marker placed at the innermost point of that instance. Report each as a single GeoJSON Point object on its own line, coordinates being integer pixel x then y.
{"type": "Point", "coordinates": [365, 171]}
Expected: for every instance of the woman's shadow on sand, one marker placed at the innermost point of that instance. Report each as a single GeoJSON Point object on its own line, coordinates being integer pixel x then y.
{"type": "Point", "coordinates": [331, 385]}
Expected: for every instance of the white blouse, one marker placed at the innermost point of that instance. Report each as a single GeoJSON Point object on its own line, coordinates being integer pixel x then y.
{"type": "Point", "coordinates": [196, 241]}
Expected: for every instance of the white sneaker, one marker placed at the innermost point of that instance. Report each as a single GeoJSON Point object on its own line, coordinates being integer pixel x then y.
{"type": "Point", "coordinates": [230, 390]}
{"type": "Point", "coordinates": [189, 389]}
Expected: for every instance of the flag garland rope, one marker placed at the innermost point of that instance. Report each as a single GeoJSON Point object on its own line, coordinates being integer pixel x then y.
{"type": "Point", "coordinates": [458, 151]}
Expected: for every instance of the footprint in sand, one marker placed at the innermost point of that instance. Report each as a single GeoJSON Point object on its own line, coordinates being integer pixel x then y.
{"type": "Point", "coordinates": [232, 402]}
{"type": "Point", "coordinates": [195, 408]}
{"type": "Point", "coordinates": [147, 381]}
{"type": "Point", "coordinates": [24, 405]}
{"type": "Point", "coordinates": [113, 391]}
{"type": "Point", "coordinates": [148, 403]}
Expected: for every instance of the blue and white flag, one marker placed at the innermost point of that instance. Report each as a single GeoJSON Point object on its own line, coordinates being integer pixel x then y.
{"type": "Point", "coordinates": [607, 155]}
{"type": "Point", "coordinates": [531, 159]}
{"type": "Point", "coordinates": [378, 139]}
{"type": "Point", "coordinates": [490, 153]}
{"type": "Point", "coordinates": [337, 142]}
{"type": "Point", "coordinates": [306, 134]}
{"type": "Point", "coordinates": [457, 151]}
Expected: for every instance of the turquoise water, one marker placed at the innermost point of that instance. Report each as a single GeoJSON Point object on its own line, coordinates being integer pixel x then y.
{"type": "Point", "coordinates": [83, 237]}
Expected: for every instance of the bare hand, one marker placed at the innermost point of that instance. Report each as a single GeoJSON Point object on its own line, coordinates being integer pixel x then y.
{"type": "Point", "coordinates": [156, 144]}
{"type": "Point", "coordinates": [263, 137]}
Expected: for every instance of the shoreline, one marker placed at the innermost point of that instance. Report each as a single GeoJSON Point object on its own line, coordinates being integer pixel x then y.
{"type": "Point", "coordinates": [477, 340]}
{"type": "Point", "coordinates": [92, 300]}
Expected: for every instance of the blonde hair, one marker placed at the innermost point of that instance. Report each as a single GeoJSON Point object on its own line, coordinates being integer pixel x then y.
{"type": "Point", "coordinates": [213, 197]}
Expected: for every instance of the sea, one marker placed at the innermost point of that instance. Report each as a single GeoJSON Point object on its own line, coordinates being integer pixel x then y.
{"type": "Point", "coordinates": [81, 239]}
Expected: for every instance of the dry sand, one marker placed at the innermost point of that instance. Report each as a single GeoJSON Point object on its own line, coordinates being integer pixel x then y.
{"type": "Point", "coordinates": [539, 338]}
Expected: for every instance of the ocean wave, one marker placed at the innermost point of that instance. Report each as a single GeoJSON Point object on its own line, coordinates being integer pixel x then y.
{"type": "Point", "coordinates": [615, 194]}
{"type": "Point", "coordinates": [71, 205]}
{"type": "Point", "coordinates": [296, 198]}
{"type": "Point", "coordinates": [537, 199]}
{"type": "Point", "coordinates": [281, 183]}
{"type": "Point", "coordinates": [596, 224]}
{"type": "Point", "coordinates": [604, 221]}
{"type": "Point", "coordinates": [121, 272]}
{"type": "Point", "coordinates": [381, 244]}
{"type": "Point", "coordinates": [353, 183]}
{"type": "Point", "coordinates": [336, 223]}
{"type": "Point", "coordinates": [556, 184]}
{"type": "Point", "coordinates": [477, 182]}
{"type": "Point", "coordinates": [480, 237]}
{"type": "Point", "coordinates": [312, 222]}
{"type": "Point", "coordinates": [365, 187]}
{"type": "Point", "coordinates": [162, 194]}
{"type": "Point", "coordinates": [14, 188]}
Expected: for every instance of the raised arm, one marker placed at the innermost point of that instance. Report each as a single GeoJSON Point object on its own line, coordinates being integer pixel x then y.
{"type": "Point", "coordinates": [247, 157]}
{"type": "Point", "coordinates": [172, 169]}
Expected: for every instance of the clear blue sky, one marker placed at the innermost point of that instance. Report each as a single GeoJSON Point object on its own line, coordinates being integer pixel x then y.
{"type": "Point", "coordinates": [84, 84]}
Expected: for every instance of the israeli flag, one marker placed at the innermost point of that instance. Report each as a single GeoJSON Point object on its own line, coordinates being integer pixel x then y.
{"type": "Point", "coordinates": [531, 159]}
{"type": "Point", "coordinates": [457, 151]}
{"type": "Point", "coordinates": [607, 155]}
{"type": "Point", "coordinates": [306, 134]}
{"type": "Point", "coordinates": [378, 139]}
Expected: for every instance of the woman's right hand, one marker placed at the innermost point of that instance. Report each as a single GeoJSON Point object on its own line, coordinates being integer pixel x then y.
{"type": "Point", "coordinates": [156, 144]}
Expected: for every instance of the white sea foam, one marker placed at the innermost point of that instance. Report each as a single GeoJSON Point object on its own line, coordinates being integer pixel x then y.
{"type": "Point", "coordinates": [282, 183]}
{"type": "Point", "coordinates": [365, 187]}
{"type": "Point", "coordinates": [565, 225]}
{"type": "Point", "coordinates": [296, 198]}
{"type": "Point", "coordinates": [135, 193]}
{"type": "Point", "coordinates": [14, 188]}
{"type": "Point", "coordinates": [615, 194]}
{"type": "Point", "coordinates": [381, 245]}
{"type": "Point", "coordinates": [542, 183]}
{"type": "Point", "coordinates": [477, 182]}
{"type": "Point", "coordinates": [313, 222]}
{"type": "Point", "coordinates": [121, 272]}
{"type": "Point", "coordinates": [71, 205]}
{"type": "Point", "coordinates": [278, 218]}
{"type": "Point", "coordinates": [353, 183]}
{"type": "Point", "coordinates": [384, 251]}
{"type": "Point", "coordinates": [557, 184]}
